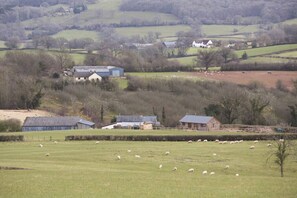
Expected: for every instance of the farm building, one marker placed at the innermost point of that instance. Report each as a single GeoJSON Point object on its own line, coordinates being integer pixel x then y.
{"type": "Point", "coordinates": [201, 123]}
{"type": "Point", "coordinates": [169, 44]}
{"type": "Point", "coordinates": [203, 44]}
{"type": "Point", "coordinates": [83, 73]}
{"type": "Point", "coordinates": [134, 121]}
{"type": "Point", "coordinates": [56, 123]}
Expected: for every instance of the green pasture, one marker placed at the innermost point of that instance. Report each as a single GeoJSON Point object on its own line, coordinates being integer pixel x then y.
{"type": "Point", "coordinates": [265, 60]}
{"type": "Point", "coordinates": [163, 75]}
{"type": "Point", "coordinates": [166, 31]}
{"type": "Point", "coordinates": [78, 34]}
{"type": "Point", "coordinates": [290, 22]}
{"type": "Point", "coordinates": [266, 50]}
{"type": "Point", "coordinates": [292, 54]}
{"type": "Point", "coordinates": [2, 44]}
{"type": "Point", "coordinates": [105, 5]}
{"type": "Point", "coordinates": [228, 29]}
{"type": "Point", "coordinates": [86, 169]}
{"type": "Point", "coordinates": [189, 60]}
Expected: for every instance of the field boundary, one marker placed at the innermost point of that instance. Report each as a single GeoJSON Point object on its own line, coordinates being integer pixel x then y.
{"type": "Point", "coordinates": [11, 138]}
{"type": "Point", "coordinates": [176, 138]}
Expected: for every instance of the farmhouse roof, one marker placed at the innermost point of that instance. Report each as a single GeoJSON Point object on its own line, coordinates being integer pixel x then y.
{"type": "Point", "coordinates": [169, 44]}
{"type": "Point", "coordinates": [196, 119]}
{"type": "Point", "coordinates": [55, 121]}
{"type": "Point", "coordinates": [136, 118]}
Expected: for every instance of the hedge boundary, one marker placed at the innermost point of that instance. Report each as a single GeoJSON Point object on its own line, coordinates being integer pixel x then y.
{"type": "Point", "coordinates": [177, 138]}
{"type": "Point", "coordinates": [11, 138]}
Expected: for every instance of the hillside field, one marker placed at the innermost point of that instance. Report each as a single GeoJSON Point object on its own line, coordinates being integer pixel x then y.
{"type": "Point", "coordinates": [237, 77]}
{"type": "Point", "coordinates": [86, 169]}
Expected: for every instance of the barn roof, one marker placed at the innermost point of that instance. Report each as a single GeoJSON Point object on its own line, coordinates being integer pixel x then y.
{"type": "Point", "coordinates": [196, 119]}
{"type": "Point", "coordinates": [55, 121]}
{"type": "Point", "coordinates": [136, 118]}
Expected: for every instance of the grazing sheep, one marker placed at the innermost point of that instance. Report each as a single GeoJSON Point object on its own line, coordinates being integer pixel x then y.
{"type": "Point", "coordinates": [232, 142]}
{"type": "Point", "coordinates": [256, 141]}
{"type": "Point", "coordinates": [137, 156]}
{"type": "Point", "coordinates": [55, 142]}
{"type": "Point", "coordinates": [47, 154]}
{"type": "Point", "coordinates": [40, 145]}
{"type": "Point", "coordinates": [129, 151]}
{"type": "Point", "coordinates": [221, 142]}
{"type": "Point", "coordinates": [252, 147]}
{"type": "Point", "coordinates": [191, 170]}
{"type": "Point", "coordinates": [199, 140]}
{"type": "Point", "coordinates": [214, 154]}
{"type": "Point", "coordinates": [97, 142]}
{"type": "Point", "coordinates": [160, 166]}
{"type": "Point", "coordinates": [281, 140]}
{"type": "Point", "coordinates": [205, 140]}
{"type": "Point", "coordinates": [174, 169]}
{"type": "Point", "coordinates": [190, 141]}
{"type": "Point", "coordinates": [217, 140]}
{"type": "Point", "coordinates": [269, 145]}
{"type": "Point", "coordinates": [119, 157]}
{"type": "Point", "coordinates": [236, 174]}
{"type": "Point", "coordinates": [212, 173]}
{"type": "Point", "coordinates": [167, 153]}
{"type": "Point", "coordinates": [240, 141]}
{"type": "Point", "coordinates": [227, 166]}
{"type": "Point", "coordinates": [204, 172]}
{"type": "Point", "coordinates": [225, 142]}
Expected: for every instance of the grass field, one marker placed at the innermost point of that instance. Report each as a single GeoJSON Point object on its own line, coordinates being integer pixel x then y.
{"type": "Point", "coordinates": [292, 54]}
{"type": "Point", "coordinates": [86, 169]}
{"type": "Point", "coordinates": [166, 31]}
{"type": "Point", "coordinates": [227, 29]}
{"type": "Point", "coordinates": [290, 22]}
{"type": "Point", "coordinates": [78, 34]}
{"type": "Point", "coordinates": [264, 60]}
{"type": "Point", "coordinates": [266, 50]}
{"type": "Point", "coordinates": [2, 44]}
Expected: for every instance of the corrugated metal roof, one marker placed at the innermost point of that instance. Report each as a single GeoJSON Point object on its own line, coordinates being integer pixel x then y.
{"type": "Point", "coordinates": [136, 118]}
{"type": "Point", "coordinates": [55, 121]}
{"type": "Point", "coordinates": [196, 119]}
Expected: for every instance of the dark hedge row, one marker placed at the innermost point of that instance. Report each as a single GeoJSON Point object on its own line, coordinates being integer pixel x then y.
{"type": "Point", "coordinates": [180, 137]}
{"type": "Point", "coordinates": [11, 138]}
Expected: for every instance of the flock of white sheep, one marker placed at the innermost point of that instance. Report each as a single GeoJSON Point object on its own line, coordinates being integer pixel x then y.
{"type": "Point", "coordinates": [190, 170]}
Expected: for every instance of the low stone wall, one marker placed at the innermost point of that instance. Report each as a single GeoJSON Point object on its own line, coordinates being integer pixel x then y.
{"type": "Point", "coordinates": [11, 138]}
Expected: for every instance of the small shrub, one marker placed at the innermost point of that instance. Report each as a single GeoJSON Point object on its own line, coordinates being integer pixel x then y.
{"type": "Point", "coordinates": [11, 125]}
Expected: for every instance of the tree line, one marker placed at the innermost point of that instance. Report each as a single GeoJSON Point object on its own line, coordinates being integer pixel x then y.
{"type": "Point", "coordinates": [235, 12]}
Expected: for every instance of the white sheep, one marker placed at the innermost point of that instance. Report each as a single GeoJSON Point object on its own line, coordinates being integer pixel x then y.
{"type": "Point", "coordinates": [205, 140]}
{"type": "Point", "coordinates": [190, 141]}
{"type": "Point", "coordinates": [191, 170]}
{"type": "Point", "coordinates": [97, 142]}
{"type": "Point", "coordinates": [47, 154]}
{"type": "Point", "coordinates": [232, 142]}
{"type": "Point", "coordinates": [40, 145]}
{"type": "Point", "coordinates": [252, 147]}
{"type": "Point", "coordinates": [269, 145]}
{"type": "Point", "coordinates": [217, 140]}
{"type": "Point", "coordinates": [236, 174]}
{"type": "Point", "coordinates": [204, 172]}
{"type": "Point", "coordinates": [119, 157]}
{"type": "Point", "coordinates": [199, 140]}
{"type": "Point", "coordinates": [160, 166]}
{"type": "Point", "coordinates": [212, 173]}
{"type": "Point", "coordinates": [174, 169]}
{"type": "Point", "coordinates": [240, 141]}
{"type": "Point", "coordinates": [129, 151]}
{"type": "Point", "coordinates": [227, 166]}
{"type": "Point", "coordinates": [55, 142]}
{"type": "Point", "coordinates": [281, 140]}
{"type": "Point", "coordinates": [256, 141]}
{"type": "Point", "coordinates": [214, 154]}
{"type": "Point", "coordinates": [167, 153]}
{"type": "Point", "coordinates": [137, 156]}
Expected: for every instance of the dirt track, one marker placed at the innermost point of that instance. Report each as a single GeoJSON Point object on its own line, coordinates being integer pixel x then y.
{"type": "Point", "coordinates": [22, 114]}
